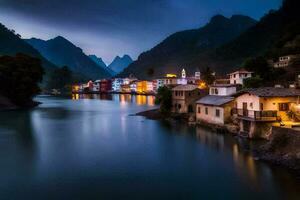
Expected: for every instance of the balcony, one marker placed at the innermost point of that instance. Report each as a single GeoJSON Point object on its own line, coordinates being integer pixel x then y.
{"type": "Point", "coordinates": [252, 115]}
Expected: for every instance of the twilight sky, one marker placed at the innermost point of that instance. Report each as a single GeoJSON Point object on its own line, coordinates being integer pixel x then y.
{"type": "Point", "coordinates": [115, 27]}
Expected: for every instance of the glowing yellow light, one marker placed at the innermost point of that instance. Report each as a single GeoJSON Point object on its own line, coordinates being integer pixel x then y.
{"type": "Point", "coordinates": [202, 85]}
{"type": "Point", "coordinates": [171, 75]}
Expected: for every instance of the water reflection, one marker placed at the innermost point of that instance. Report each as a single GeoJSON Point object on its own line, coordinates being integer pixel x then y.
{"type": "Point", "coordinates": [122, 98]}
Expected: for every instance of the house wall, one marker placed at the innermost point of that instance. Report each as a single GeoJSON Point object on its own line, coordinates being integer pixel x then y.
{"type": "Point", "coordinates": [238, 78]}
{"type": "Point", "coordinates": [222, 91]}
{"type": "Point", "coordinates": [273, 104]}
{"type": "Point", "coordinates": [225, 114]}
{"type": "Point", "coordinates": [184, 99]}
{"type": "Point", "coordinates": [211, 116]}
{"type": "Point", "coordinates": [251, 100]}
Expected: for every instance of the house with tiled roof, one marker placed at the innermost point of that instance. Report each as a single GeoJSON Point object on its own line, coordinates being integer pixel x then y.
{"type": "Point", "coordinates": [259, 109]}
{"type": "Point", "coordinates": [215, 108]}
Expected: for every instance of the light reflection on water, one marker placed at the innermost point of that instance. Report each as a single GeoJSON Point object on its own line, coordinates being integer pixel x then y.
{"type": "Point", "coordinates": [94, 149]}
{"type": "Point", "coordinates": [122, 98]}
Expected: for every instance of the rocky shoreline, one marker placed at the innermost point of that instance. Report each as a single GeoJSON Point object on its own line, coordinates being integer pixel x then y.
{"type": "Point", "coordinates": [282, 148]}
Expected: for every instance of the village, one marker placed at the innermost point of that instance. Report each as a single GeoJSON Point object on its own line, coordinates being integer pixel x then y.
{"type": "Point", "coordinates": [224, 105]}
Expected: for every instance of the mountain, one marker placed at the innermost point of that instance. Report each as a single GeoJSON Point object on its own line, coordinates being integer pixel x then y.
{"type": "Point", "coordinates": [224, 44]}
{"type": "Point", "coordinates": [120, 63]}
{"type": "Point", "coordinates": [11, 44]}
{"type": "Point", "coordinates": [62, 52]}
{"type": "Point", "coordinates": [98, 60]}
{"type": "Point", "coordinates": [101, 64]}
{"type": "Point", "coordinates": [182, 49]}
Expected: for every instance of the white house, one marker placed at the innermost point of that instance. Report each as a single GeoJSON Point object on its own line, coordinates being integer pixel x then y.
{"type": "Point", "coordinates": [96, 86]}
{"type": "Point", "coordinates": [215, 108]}
{"type": "Point", "coordinates": [284, 61]}
{"type": "Point", "coordinates": [238, 77]}
{"type": "Point", "coordinates": [116, 84]}
{"type": "Point", "coordinates": [222, 89]}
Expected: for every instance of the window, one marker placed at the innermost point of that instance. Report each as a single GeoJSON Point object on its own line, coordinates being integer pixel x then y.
{"type": "Point", "coordinates": [283, 106]}
{"type": "Point", "coordinates": [206, 110]}
{"type": "Point", "coordinates": [176, 93]}
{"type": "Point", "coordinates": [217, 112]}
{"type": "Point", "coordinates": [189, 94]}
{"type": "Point", "coordinates": [216, 91]}
{"type": "Point", "coordinates": [199, 109]}
{"type": "Point", "coordinates": [179, 106]}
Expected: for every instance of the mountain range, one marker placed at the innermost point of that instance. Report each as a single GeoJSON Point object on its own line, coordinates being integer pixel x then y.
{"type": "Point", "coordinates": [116, 66]}
{"type": "Point", "coordinates": [120, 63]}
{"type": "Point", "coordinates": [180, 49]}
{"type": "Point", "coordinates": [11, 44]}
{"type": "Point", "coordinates": [223, 44]}
{"type": "Point", "coordinates": [62, 52]}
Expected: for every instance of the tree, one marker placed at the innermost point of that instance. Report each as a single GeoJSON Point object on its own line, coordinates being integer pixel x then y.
{"type": "Point", "coordinates": [150, 72]}
{"type": "Point", "coordinates": [253, 82]}
{"type": "Point", "coordinates": [59, 78]}
{"type": "Point", "coordinates": [259, 66]}
{"type": "Point", "coordinates": [207, 76]}
{"type": "Point", "coordinates": [20, 77]}
{"type": "Point", "coordinates": [164, 99]}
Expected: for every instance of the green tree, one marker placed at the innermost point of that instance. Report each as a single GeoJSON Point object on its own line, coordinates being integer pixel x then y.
{"type": "Point", "coordinates": [164, 99]}
{"type": "Point", "coordinates": [259, 66]}
{"type": "Point", "coordinates": [253, 82]}
{"type": "Point", "coordinates": [150, 72]}
{"type": "Point", "coordinates": [59, 78]}
{"type": "Point", "coordinates": [20, 77]}
{"type": "Point", "coordinates": [207, 76]}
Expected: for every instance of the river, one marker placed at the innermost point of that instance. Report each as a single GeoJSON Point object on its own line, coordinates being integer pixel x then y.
{"type": "Point", "coordinates": [91, 147]}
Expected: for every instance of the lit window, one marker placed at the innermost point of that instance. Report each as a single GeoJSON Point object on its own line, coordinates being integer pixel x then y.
{"type": "Point", "coordinates": [283, 106]}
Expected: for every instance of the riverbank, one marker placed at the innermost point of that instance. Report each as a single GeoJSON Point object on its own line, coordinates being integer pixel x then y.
{"type": "Point", "coordinates": [6, 104]}
{"type": "Point", "coordinates": [282, 148]}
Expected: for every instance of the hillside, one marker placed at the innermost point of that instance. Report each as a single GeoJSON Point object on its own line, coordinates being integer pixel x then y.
{"type": "Point", "coordinates": [62, 52]}
{"type": "Point", "coordinates": [101, 64]}
{"type": "Point", "coordinates": [11, 43]}
{"type": "Point", "coordinates": [120, 63]}
{"type": "Point", "coordinates": [182, 48]}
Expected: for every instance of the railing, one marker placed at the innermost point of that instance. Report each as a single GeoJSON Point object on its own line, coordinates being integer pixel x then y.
{"type": "Point", "coordinates": [267, 115]}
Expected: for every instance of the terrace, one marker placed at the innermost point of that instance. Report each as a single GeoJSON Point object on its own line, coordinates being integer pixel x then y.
{"type": "Point", "coordinates": [253, 115]}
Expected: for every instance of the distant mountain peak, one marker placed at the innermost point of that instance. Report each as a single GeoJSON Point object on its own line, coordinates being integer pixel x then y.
{"type": "Point", "coordinates": [120, 63]}
{"type": "Point", "coordinates": [218, 19]}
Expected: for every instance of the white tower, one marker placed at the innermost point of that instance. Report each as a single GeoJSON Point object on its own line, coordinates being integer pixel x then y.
{"type": "Point", "coordinates": [198, 75]}
{"type": "Point", "coordinates": [183, 74]}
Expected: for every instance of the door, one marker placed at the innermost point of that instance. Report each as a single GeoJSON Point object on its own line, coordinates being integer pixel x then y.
{"type": "Point", "coordinates": [245, 109]}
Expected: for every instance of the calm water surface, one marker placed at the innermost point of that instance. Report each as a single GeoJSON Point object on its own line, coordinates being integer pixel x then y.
{"type": "Point", "coordinates": [93, 148]}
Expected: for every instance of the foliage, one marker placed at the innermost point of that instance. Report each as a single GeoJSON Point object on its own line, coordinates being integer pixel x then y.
{"type": "Point", "coordinates": [19, 78]}
{"type": "Point", "coordinates": [253, 82]}
{"type": "Point", "coordinates": [207, 76]}
{"type": "Point", "coordinates": [259, 66]}
{"type": "Point", "coordinates": [150, 72]}
{"type": "Point", "coordinates": [164, 99]}
{"type": "Point", "coordinates": [59, 78]}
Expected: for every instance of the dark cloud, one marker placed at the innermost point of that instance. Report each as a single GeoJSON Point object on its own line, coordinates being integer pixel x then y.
{"type": "Point", "coordinates": [110, 27]}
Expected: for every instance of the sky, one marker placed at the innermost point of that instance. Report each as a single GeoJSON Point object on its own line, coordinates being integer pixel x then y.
{"type": "Point", "coordinates": [116, 27]}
